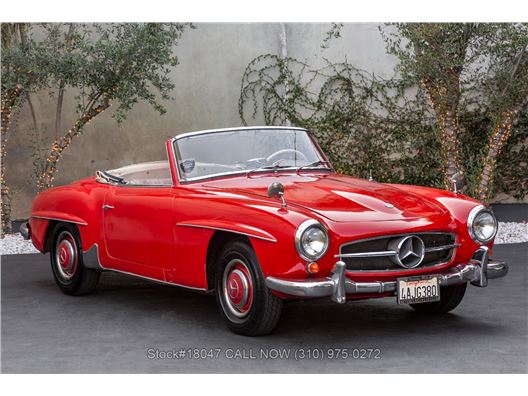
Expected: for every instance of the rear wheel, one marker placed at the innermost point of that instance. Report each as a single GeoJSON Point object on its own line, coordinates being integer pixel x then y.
{"type": "Point", "coordinates": [246, 304]}
{"type": "Point", "coordinates": [450, 297]}
{"type": "Point", "coordinates": [67, 262]}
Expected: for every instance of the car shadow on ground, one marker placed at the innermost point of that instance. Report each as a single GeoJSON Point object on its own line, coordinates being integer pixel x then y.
{"type": "Point", "coordinates": [316, 318]}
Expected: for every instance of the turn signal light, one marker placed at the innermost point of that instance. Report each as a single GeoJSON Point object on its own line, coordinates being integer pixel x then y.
{"type": "Point", "coordinates": [312, 268]}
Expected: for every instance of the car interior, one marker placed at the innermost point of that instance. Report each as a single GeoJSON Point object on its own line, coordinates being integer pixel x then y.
{"type": "Point", "coordinates": [155, 173]}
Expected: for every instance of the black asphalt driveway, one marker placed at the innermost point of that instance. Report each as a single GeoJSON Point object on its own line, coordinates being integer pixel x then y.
{"type": "Point", "coordinates": [130, 325]}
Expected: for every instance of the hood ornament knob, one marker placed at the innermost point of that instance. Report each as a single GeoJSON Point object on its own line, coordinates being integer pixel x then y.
{"type": "Point", "coordinates": [276, 190]}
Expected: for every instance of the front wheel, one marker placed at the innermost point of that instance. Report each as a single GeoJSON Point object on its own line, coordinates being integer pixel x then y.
{"type": "Point", "coordinates": [246, 304]}
{"type": "Point", "coordinates": [67, 265]}
{"type": "Point", "coordinates": [450, 298]}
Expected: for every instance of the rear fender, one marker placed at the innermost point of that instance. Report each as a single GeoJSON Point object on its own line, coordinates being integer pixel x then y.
{"type": "Point", "coordinates": [79, 203]}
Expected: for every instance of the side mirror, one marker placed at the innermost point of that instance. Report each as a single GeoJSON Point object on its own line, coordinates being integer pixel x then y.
{"type": "Point", "coordinates": [457, 182]}
{"type": "Point", "coordinates": [276, 190]}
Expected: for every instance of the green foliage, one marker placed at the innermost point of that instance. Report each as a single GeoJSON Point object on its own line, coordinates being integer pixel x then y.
{"type": "Point", "coordinates": [363, 123]}
{"type": "Point", "coordinates": [123, 63]}
{"type": "Point", "coordinates": [367, 124]}
{"type": "Point", "coordinates": [479, 69]}
{"type": "Point", "coordinates": [333, 33]}
{"type": "Point", "coordinates": [24, 62]}
{"type": "Point", "coordinates": [512, 164]}
{"type": "Point", "coordinates": [109, 64]}
{"type": "Point", "coordinates": [389, 127]}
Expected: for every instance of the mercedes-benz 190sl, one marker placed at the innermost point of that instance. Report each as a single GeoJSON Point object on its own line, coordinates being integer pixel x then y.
{"type": "Point", "coordinates": [258, 215]}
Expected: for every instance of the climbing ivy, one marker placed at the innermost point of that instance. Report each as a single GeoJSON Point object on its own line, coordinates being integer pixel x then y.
{"type": "Point", "coordinates": [386, 127]}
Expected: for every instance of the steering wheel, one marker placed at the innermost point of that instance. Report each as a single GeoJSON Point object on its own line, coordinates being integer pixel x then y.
{"type": "Point", "coordinates": [272, 157]}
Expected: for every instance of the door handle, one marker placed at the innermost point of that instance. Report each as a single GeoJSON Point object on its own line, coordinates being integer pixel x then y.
{"type": "Point", "coordinates": [106, 207]}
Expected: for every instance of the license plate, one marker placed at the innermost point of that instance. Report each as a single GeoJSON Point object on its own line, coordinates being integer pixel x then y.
{"type": "Point", "coordinates": [418, 290]}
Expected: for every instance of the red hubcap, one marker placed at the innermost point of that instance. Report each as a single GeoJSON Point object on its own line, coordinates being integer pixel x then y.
{"type": "Point", "coordinates": [66, 255]}
{"type": "Point", "coordinates": [238, 288]}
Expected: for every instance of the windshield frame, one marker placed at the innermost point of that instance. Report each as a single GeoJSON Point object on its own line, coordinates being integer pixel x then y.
{"type": "Point", "coordinates": [178, 159]}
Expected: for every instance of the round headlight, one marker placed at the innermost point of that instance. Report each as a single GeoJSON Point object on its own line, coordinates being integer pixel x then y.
{"type": "Point", "coordinates": [482, 224]}
{"type": "Point", "coordinates": [311, 240]}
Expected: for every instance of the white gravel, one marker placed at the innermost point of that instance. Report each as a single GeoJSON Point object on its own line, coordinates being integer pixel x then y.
{"type": "Point", "coordinates": [15, 244]}
{"type": "Point", "coordinates": [512, 233]}
{"type": "Point", "coordinates": [508, 233]}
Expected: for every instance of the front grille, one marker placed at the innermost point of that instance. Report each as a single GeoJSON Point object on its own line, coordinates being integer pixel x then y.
{"type": "Point", "coordinates": [439, 249]}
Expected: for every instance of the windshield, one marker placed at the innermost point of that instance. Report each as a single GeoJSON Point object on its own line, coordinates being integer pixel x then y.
{"type": "Point", "coordinates": [248, 150]}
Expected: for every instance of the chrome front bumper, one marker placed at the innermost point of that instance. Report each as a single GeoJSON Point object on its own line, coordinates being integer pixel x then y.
{"type": "Point", "coordinates": [337, 286]}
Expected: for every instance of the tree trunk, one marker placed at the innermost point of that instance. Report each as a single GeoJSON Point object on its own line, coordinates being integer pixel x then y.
{"type": "Point", "coordinates": [60, 96]}
{"type": "Point", "coordinates": [498, 137]}
{"type": "Point", "coordinates": [6, 197]}
{"type": "Point", "coordinates": [8, 103]}
{"type": "Point", "coordinates": [58, 111]}
{"type": "Point", "coordinates": [449, 137]}
{"type": "Point", "coordinates": [45, 180]}
{"type": "Point", "coordinates": [446, 110]}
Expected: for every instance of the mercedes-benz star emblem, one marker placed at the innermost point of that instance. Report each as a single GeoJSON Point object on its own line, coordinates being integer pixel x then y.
{"type": "Point", "coordinates": [410, 251]}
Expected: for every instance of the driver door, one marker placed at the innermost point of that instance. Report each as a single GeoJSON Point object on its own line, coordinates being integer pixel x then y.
{"type": "Point", "coordinates": [138, 228]}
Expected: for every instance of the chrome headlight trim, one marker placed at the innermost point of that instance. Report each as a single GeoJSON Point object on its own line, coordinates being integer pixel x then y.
{"type": "Point", "coordinates": [305, 226]}
{"type": "Point", "coordinates": [475, 212]}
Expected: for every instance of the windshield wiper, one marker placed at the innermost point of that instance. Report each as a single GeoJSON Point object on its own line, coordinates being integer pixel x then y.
{"type": "Point", "coordinates": [274, 166]}
{"type": "Point", "coordinates": [313, 165]}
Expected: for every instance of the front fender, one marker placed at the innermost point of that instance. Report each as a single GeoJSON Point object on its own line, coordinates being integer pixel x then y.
{"type": "Point", "coordinates": [237, 228]}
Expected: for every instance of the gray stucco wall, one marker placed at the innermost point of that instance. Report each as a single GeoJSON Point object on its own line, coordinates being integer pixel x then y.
{"type": "Point", "coordinates": [213, 58]}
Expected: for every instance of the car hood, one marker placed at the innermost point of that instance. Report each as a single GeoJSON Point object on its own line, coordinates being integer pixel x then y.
{"type": "Point", "coordinates": [337, 197]}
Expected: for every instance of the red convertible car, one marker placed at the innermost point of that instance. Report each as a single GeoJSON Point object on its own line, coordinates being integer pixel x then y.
{"type": "Point", "coordinates": [258, 215]}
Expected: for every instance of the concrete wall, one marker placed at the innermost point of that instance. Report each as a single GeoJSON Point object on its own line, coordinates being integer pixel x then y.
{"type": "Point", "coordinates": [213, 58]}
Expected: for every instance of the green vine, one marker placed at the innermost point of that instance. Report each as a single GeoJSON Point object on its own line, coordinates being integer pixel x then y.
{"type": "Point", "coordinates": [367, 124]}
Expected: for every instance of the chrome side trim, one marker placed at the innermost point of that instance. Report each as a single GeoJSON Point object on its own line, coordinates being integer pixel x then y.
{"type": "Point", "coordinates": [226, 230]}
{"type": "Point", "coordinates": [59, 219]}
{"type": "Point", "coordinates": [337, 285]}
{"type": "Point", "coordinates": [157, 280]}
{"type": "Point", "coordinates": [91, 260]}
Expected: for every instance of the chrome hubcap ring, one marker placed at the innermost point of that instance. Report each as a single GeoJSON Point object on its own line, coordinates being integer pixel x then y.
{"type": "Point", "coordinates": [237, 288]}
{"type": "Point", "coordinates": [66, 255]}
